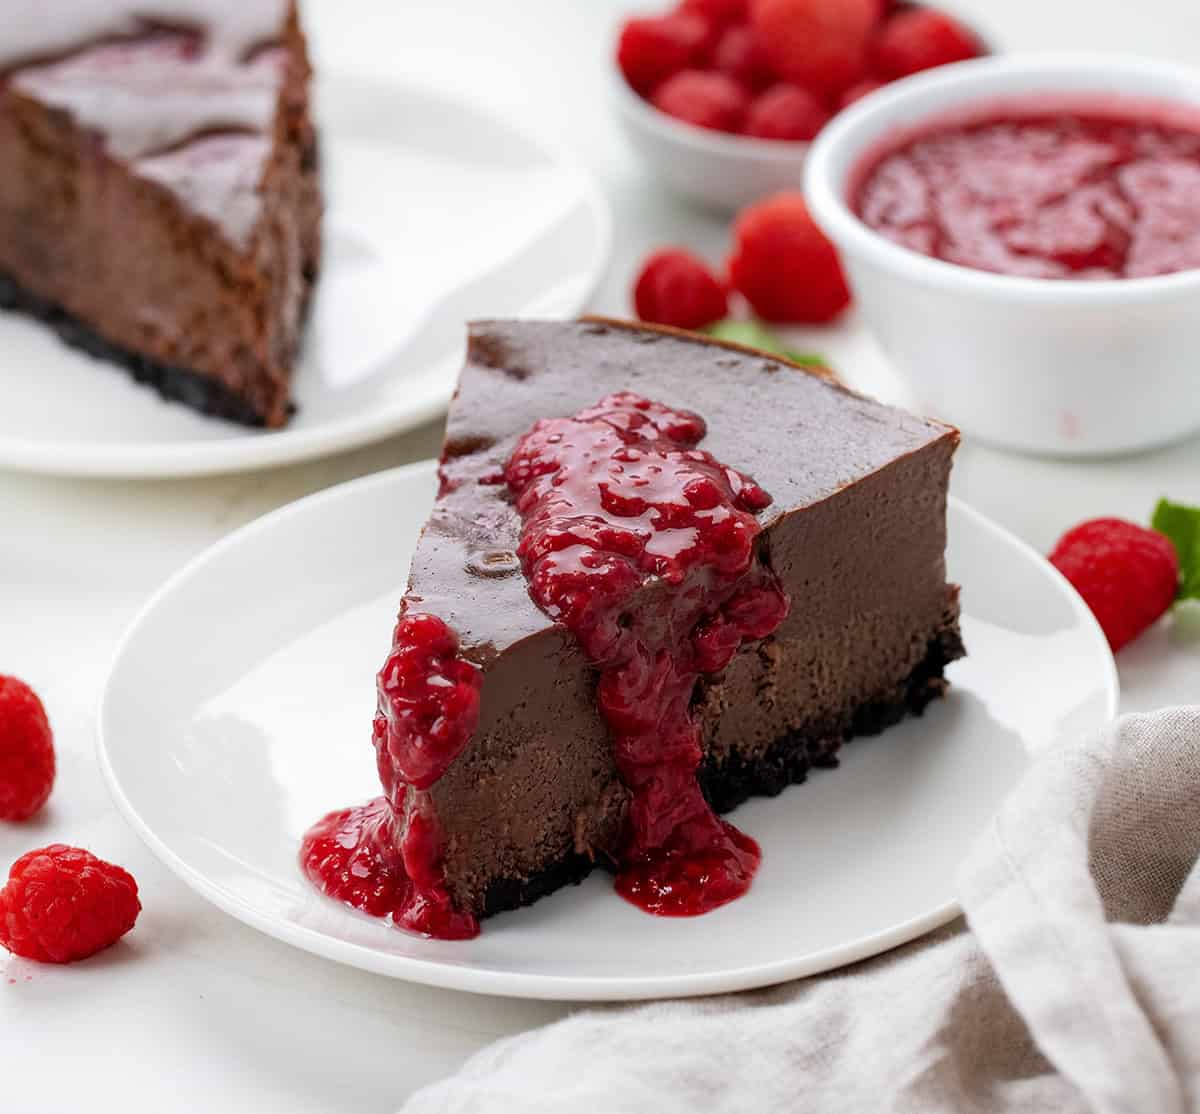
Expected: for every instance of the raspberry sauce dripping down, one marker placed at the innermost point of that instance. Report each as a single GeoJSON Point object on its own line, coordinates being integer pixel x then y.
{"type": "Point", "coordinates": [384, 857]}
{"type": "Point", "coordinates": [643, 546]}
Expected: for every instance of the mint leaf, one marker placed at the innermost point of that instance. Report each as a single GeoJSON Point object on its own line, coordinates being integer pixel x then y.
{"type": "Point", "coordinates": [1182, 525]}
{"type": "Point", "coordinates": [753, 334]}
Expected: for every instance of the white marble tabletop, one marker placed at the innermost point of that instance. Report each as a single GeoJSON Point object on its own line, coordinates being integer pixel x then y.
{"type": "Point", "coordinates": [196, 1011]}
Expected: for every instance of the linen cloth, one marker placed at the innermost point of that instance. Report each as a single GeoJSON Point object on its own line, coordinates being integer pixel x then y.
{"type": "Point", "coordinates": [1075, 985]}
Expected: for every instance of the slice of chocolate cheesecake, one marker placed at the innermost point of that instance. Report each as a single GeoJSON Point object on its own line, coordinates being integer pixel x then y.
{"type": "Point", "coordinates": [663, 574]}
{"type": "Point", "coordinates": [159, 196]}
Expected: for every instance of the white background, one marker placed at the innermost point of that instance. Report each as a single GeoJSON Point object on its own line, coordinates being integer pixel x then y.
{"type": "Point", "coordinates": [196, 1012]}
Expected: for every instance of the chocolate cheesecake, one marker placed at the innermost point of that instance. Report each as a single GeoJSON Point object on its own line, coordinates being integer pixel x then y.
{"type": "Point", "coordinates": [159, 195]}
{"type": "Point", "coordinates": [662, 575]}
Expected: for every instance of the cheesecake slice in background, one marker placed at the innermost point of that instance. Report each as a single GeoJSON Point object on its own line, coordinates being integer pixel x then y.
{"type": "Point", "coordinates": [159, 195]}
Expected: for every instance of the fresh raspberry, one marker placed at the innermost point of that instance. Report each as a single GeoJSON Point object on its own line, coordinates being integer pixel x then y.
{"type": "Point", "coordinates": [708, 43]}
{"type": "Point", "coordinates": [720, 13]}
{"type": "Point", "coordinates": [820, 44]}
{"type": "Point", "coordinates": [62, 904]}
{"type": "Point", "coordinates": [919, 39]}
{"type": "Point", "coordinates": [675, 288]}
{"type": "Point", "coordinates": [786, 112]}
{"type": "Point", "coordinates": [858, 90]}
{"type": "Point", "coordinates": [651, 50]}
{"type": "Point", "coordinates": [1126, 574]}
{"type": "Point", "coordinates": [707, 100]}
{"type": "Point", "coordinates": [787, 270]}
{"type": "Point", "coordinates": [741, 55]}
{"type": "Point", "coordinates": [26, 751]}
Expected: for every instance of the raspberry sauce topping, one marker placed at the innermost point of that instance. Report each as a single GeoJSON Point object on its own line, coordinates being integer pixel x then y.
{"type": "Point", "coordinates": [385, 857]}
{"type": "Point", "coordinates": [643, 546]}
{"type": "Point", "coordinates": [1054, 195]}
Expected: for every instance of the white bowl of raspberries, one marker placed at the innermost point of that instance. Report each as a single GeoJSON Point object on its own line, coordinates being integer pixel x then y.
{"type": "Point", "coordinates": [720, 98]}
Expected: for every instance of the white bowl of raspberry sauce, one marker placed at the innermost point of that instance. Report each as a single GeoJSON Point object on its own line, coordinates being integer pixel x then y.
{"type": "Point", "coordinates": [1023, 237]}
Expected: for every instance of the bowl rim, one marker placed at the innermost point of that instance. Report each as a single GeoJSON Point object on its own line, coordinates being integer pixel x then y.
{"type": "Point", "coordinates": [850, 135]}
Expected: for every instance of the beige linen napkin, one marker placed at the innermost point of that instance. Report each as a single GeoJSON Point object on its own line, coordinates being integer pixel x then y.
{"type": "Point", "coordinates": [1076, 987]}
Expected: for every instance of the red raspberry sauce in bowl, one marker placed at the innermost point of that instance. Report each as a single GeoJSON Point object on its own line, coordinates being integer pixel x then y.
{"type": "Point", "coordinates": [1078, 192]}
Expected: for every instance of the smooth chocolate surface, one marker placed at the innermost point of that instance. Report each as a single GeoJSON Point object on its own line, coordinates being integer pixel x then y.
{"type": "Point", "coordinates": [800, 437]}
{"type": "Point", "coordinates": [856, 534]}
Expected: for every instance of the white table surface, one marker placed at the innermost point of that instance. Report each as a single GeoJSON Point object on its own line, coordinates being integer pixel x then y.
{"type": "Point", "coordinates": [195, 1011]}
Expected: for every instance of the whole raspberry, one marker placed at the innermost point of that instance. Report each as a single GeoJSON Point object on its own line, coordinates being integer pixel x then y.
{"type": "Point", "coordinates": [1126, 574]}
{"type": "Point", "coordinates": [820, 44]}
{"type": "Point", "coordinates": [786, 112]}
{"type": "Point", "coordinates": [62, 904]}
{"type": "Point", "coordinates": [707, 100]}
{"type": "Point", "coordinates": [783, 264]}
{"type": "Point", "coordinates": [721, 13]}
{"type": "Point", "coordinates": [858, 90]}
{"type": "Point", "coordinates": [26, 751]}
{"type": "Point", "coordinates": [675, 288]}
{"type": "Point", "coordinates": [651, 50]}
{"type": "Point", "coordinates": [741, 55]}
{"type": "Point", "coordinates": [919, 39]}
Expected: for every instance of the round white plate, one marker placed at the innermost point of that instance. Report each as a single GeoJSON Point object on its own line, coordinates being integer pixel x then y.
{"type": "Point", "coordinates": [239, 709]}
{"type": "Point", "coordinates": [437, 212]}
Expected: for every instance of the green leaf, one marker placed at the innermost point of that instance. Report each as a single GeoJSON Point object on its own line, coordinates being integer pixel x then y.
{"type": "Point", "coordinates": [754, 334]}
{"type": "Point", "coordinates": [1182, 525]}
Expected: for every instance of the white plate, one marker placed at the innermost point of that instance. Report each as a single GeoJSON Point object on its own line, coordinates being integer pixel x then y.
{"type": "Point", "coordinates": [437, 212]}
{"type": "Point", "coordinates": [239, 708]}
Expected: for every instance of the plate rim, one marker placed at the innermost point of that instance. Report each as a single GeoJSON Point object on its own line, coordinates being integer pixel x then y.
{"type": "Point", "coordinates": [498, 983]}
{"type": "Point", "coordinates": [73, 458]}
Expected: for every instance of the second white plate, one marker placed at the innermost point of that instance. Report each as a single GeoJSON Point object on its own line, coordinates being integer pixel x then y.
{"type": "Point", "coordinates": [437, 212]}
{"type": "Point", "coordinates": [239, 707]}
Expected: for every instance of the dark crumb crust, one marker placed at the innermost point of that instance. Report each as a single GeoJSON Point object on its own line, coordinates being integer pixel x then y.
{"type": "Point", "coordinates": [176, 384]}
{"type": "Point", "coordinates": [786, 762]}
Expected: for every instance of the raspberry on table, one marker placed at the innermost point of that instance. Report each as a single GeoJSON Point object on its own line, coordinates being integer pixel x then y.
{"type": "Point", "coordinates": [820, 44]}
{"type": "Point", "coordinates": [783, 264]}
{"type": "Point", "coordinates": [675, 288]}
{"type": "Point", "coordinates": [919, 39]}
{"type": "Point", "coordinates": [651, 50]}
{"type": "Point", "coordinates": [705, 99]}
{"type": "Point", "coordinates": [26, 751]}
{"type": "Point", "coordinates": [741, 54]}
{"type": "Point", "coordinates": [62, 904]}
{"type": "Point", "coordinates": [786, 112]}
{"type": "Point", "coordinates": [1126, 574]}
